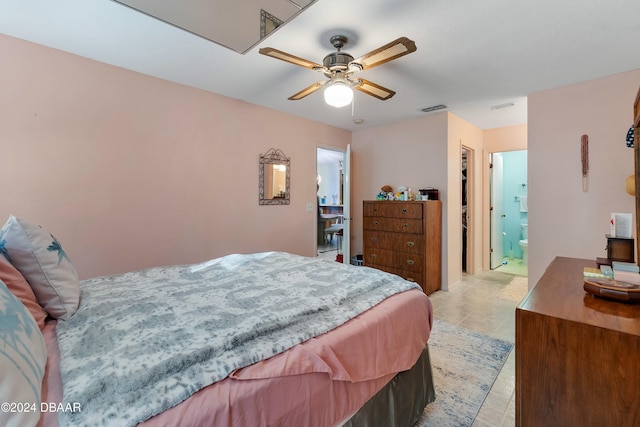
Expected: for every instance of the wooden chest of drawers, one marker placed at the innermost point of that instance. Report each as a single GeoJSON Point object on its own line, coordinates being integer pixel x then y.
{"type": "Point", "coordinates": [576, 354]}
{"type": "Point", "coordinates": [404, 238]}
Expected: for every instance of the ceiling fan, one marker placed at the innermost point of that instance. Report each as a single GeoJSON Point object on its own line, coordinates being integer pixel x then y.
{"type": "Point", "coordinates": [339, 67]}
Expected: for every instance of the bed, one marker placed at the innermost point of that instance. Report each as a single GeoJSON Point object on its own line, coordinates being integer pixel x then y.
{"type": "Point", "coordinates": [277, 340]}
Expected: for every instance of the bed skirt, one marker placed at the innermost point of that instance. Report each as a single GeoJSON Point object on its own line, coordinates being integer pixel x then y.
{"type": "Point", "coordinates": [401, 402]}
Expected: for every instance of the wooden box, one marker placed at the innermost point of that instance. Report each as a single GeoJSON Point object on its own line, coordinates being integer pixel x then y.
{"type": "Point", "coordinates": [620, 249]}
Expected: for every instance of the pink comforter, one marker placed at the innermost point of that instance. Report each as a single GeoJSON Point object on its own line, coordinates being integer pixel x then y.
{"type": "Point", "coordinates": [317, 383]}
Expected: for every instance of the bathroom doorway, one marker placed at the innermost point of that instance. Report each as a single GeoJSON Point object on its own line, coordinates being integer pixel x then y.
{"type": "Point", "coordinates": [508, 194]}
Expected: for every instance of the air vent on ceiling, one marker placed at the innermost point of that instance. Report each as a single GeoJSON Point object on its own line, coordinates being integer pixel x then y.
{"type": "Point", "coordinates": [501, 106]}
{"type": "Point", "coordinates": [434, 108]}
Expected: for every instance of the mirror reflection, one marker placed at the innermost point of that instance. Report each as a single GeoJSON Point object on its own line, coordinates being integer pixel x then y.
{"type": "Point", "coordinates": [237, 25]}
{"type": "Point", "coordinates": [274, 178]}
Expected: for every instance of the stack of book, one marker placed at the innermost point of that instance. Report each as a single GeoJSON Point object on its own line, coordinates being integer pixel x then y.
{"type": "Point", "coordinates": [604, 272]}
{"type": "Point", "coordinates": [626, 271]}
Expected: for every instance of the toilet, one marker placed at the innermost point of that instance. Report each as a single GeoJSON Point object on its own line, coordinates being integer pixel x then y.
{"type": "Point", "coordinates": [524, 243]}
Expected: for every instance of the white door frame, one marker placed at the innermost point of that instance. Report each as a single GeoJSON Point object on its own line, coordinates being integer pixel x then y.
{"type": "Point", "coordinates": [346, 199]}
{"type": "Point", "coordinates": [496, 211]}
{"type": "Point", "coordinates": [346, 206]}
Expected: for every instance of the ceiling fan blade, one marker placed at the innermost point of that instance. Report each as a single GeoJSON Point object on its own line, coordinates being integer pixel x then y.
{"type": "Point", "coordinates": [284, 56]}
{"type": "Point", "coordinates": [390, 51]}
{"type": "Point", "coordinates": [307, 91]}
{"type": "Point", "coordinates": [374, 90]}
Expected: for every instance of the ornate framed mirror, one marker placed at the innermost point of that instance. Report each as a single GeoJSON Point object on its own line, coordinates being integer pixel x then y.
{"type": "Point", "coordinates": [274, 174]}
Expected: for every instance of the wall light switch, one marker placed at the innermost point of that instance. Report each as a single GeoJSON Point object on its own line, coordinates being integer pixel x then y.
{"type": "Point", "coordinates": [309, 206]}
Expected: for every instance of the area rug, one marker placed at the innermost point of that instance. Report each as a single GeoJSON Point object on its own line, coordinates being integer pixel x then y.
{"type": "Point", "coordinates": [465, 365]}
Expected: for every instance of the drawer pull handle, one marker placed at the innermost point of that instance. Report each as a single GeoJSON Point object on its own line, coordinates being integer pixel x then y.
{"type": "Point", "coordinates": [410, 244]}
{"type": "Point", "coordinates": [374, 239]}
{"type": "Point", "coordinates": [405, 225]}
{"type": "Point", "coordinates": [404, 210]}
{"type": "Point", "coordinates": [376, 223]}
{"type": "Point", "coordinates": [411, 262]}
{"type": "Point", "coordinates": [374, 256]}
{"type": "Point", "coordinates": [410, 279]}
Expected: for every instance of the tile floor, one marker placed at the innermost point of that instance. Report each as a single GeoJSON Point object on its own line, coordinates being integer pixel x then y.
{"type": "Point", "coordinates": [328, 251]}
{"type": "Point", "coordinates": [485, 302]}
{"type": "Point", "coordinates": [513, 266]}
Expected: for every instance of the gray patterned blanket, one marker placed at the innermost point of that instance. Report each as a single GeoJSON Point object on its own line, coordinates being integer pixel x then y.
{"type": "Point", "coordinates": [142, 342]}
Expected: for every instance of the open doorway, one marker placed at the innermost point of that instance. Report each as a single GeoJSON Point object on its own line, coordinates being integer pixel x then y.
{"type": "Point", "coordinates": [509, 212]}
{"type": "Point", "coordinates": [496, 211]}
{"type": "Point", "coordinates": [467, 203]}
{"type": "Point", "coordinates": [330, 175]}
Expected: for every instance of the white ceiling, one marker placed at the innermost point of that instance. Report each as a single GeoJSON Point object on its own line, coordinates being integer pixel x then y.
{"type": "Point", "coordinates": [471, 54]}
{"type": "Point", "coordinates": [234, 24]}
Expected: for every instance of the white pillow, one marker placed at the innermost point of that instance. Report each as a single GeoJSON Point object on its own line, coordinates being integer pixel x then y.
{"type": "Point", "coordinates": [44, 264]}
{"type": "Point", "coordinates": [23, 356]}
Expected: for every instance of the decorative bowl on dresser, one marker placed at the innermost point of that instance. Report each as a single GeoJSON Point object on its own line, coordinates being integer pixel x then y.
{"type": "Point", "coordinates": [404, 238]}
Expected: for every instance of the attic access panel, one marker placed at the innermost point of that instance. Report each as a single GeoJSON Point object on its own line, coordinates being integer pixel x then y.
{"type": "Point", "coordinates": [237, 25]}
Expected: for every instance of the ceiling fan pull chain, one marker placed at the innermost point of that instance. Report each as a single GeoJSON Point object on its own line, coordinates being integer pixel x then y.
{"type": "Point", "coordinates": [353, 107]}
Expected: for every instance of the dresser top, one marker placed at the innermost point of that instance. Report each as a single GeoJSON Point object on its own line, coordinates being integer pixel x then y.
{"type": "Point", "coordinates": [559, 293]}
{"type": "Point", "coordinates": [401, 201]}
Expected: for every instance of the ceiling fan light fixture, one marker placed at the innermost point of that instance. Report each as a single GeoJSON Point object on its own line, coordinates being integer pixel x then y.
{"type": "Point", "coordinates": [340, 66]}
{"type": "Point", "coordinates": [338, 94]}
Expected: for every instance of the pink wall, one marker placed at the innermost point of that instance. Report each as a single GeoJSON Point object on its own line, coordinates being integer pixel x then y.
{"type": "Point", "coordinates": [421, 153]}
{"type": "Point", "coordinates": [564, 220]}
{"type": "Point", "coordinates": [131, 171]}
{"type": "Point", "coordinates": [508, 138]}
{"type": "Point", "coordinates": [412, 153]}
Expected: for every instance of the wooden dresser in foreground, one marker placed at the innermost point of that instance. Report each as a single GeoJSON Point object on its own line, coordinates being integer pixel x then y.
{"type": "Point", "coordinates": [577, 356]}
{"type": "Point", "coordinates": [405, 238]}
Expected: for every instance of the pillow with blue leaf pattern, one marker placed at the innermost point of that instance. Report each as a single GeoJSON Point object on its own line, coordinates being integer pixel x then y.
{"type": "Point", "coordinates": [23, 356]}
{"type": "Point", "coordinates": [39, 256]}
